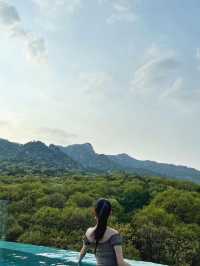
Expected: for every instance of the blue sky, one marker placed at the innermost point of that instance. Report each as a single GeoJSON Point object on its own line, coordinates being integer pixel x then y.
{"type": "Point", "coordinates": [121, 74]}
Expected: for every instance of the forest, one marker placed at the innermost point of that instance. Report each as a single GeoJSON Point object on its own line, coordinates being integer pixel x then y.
{"type": "Point", "coordinates": [158, 218]}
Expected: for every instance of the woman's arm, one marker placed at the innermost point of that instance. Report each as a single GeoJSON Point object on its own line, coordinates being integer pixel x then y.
{"type": "Point", "coordinates": [82, 253]}
{"type": "Point", "coordinates": [120, 257]}
{"type": "Point", "coordinates": [86, 244]}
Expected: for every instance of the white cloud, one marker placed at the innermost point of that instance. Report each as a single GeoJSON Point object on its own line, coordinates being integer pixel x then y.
{"type": "Point", "coordinates": [122, 10]}
{"type": "Point", "coordinates": [162, 78]}
{"type": "Point", "coordinates": [49, 6]}
{"type": "Point", "coordinates": [121, 7]}
{"type": "Point", "coordinates": [36, 49]}
{"type": "Point", "coordinates": [125, 16]}
{"type": "Point", "coordinates": [155, 75]}
{"type": "Point", "coordinates": [54, 135]}
{"type": "Point", "coordinates": [181, 92]}
{"type": "Point", "coordinates": [23, 133]}
{"type": "Point", "coordinates": [11, 23]}
{"type": "Point", "coordinates": [52, 13]}
{"type": "Point", "coordinates": [175, 89]}
{"type": "Point", "coordinates": [9, 17]}
{"type": "Point", "coordinates": [96, 82]}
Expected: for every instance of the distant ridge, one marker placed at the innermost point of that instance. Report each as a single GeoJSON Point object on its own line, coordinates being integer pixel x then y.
{"type": "Point", "coordinates": [82, 157]}
{"type": "Point", "coordinates": [88, 158]}
{"type": "Point", "coordinates": [36, 156]}
{"type": "Point", "coordinates": [162, 169]}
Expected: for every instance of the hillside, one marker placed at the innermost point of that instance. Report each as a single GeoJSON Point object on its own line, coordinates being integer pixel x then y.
{"type": "Point", "coordinates": [35, 157]}
{"type": "Point", "coordinates": [39, 157]}
{"type": "Point", "coordinates": [161, 169]}
{"type": "Point", "coordinates": [8, 149]}
{"type": "Point", "coordinates": [158, 218]}
{"type": "Point", "coordinates": [85, 155]}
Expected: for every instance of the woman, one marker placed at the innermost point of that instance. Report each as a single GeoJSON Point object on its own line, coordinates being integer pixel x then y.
{"type": "Point", "coordinates": [106, 241]}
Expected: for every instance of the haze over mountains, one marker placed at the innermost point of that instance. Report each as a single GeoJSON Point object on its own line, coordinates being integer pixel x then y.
{"type": "Point", "coordinates": [38, 157]}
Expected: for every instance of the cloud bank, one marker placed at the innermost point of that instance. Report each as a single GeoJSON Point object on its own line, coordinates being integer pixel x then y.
{"type": "Point", "coordinates": [162, 78]}
{"type": "Point", "coordinates": [11, 23]}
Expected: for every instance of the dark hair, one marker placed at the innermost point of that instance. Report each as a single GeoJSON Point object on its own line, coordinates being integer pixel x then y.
{"type": "Point", "coordinates": [102, 210]}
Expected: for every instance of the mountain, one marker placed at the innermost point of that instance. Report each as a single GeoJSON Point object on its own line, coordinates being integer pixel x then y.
{"type": "Point", "coordinates": [161, 169]}
{"type": "Point", "coordinates": [38, 153]}
{"type": "Point", "coordinates": [8, 149]}
{"type": "Point", "coordinates": [88, 158]}
{"type": "Point", "coordinates": [130, 164]}
{"type": "Point", "coordinates": [85, 155]}
{"type": "Point", "coordinates": [36, 156]}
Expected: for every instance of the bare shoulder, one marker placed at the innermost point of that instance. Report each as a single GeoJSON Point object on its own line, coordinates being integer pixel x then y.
{"type": "Point", "coordinates": [89, 232]}
{"type": "Point", "coordinates": [112, 231]}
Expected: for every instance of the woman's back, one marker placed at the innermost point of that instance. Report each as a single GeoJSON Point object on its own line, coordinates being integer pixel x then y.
{"type": "Point", "coordinates": [105, 253]}
{"type": "Point", "coordinates": [105, 241]}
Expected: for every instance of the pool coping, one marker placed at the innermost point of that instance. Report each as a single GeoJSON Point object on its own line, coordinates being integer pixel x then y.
{"type": "Point", "coordinates": [60, 254]}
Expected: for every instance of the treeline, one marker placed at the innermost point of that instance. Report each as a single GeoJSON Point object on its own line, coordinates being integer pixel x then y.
{"type": "Point", "coordinates": [158, 218]}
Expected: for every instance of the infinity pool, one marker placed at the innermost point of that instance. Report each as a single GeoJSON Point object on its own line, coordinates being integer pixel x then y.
{"type": "Point", "coordinates": [14, 254]}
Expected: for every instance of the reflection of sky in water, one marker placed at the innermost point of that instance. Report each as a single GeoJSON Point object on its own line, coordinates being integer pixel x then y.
{"type": "Point", "coordinates": [14, 254]}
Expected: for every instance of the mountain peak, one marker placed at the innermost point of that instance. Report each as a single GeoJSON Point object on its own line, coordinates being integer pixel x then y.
{"type": "Point", "coordinates": [85, 148]}
{"type": "Point", "coordinates": [124, 156]}
{"type": "Point", "coordinates": [35, 144]}
{"type": "Point", "coordinates": [88, 146]}
{"type": "Point", "coordinates": [2, 139]}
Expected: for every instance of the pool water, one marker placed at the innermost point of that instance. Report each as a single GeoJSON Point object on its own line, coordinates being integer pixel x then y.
{"type": "Point", "coordinates": [16, 254]}
{"type": "Point", "coordinates": [10, 257]}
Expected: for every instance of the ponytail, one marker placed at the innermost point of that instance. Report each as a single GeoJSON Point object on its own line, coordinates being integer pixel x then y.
{"type": "Point", "coordinates": [102, 211]}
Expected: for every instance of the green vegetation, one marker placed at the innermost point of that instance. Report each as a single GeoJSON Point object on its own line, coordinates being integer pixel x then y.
{"type": "Point", "coordinates": [158, 218]}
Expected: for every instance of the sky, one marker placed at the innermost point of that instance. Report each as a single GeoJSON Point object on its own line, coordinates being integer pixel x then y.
{"type": "Point", "coordinates": [123, 75]}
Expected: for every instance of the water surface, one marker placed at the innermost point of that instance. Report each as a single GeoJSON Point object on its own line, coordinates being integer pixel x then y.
{"type": "Point", "coordinates": [16, 254]}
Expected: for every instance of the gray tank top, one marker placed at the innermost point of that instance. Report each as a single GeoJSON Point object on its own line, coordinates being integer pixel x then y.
{"type": "Point", "coordinates": [105, 253]}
